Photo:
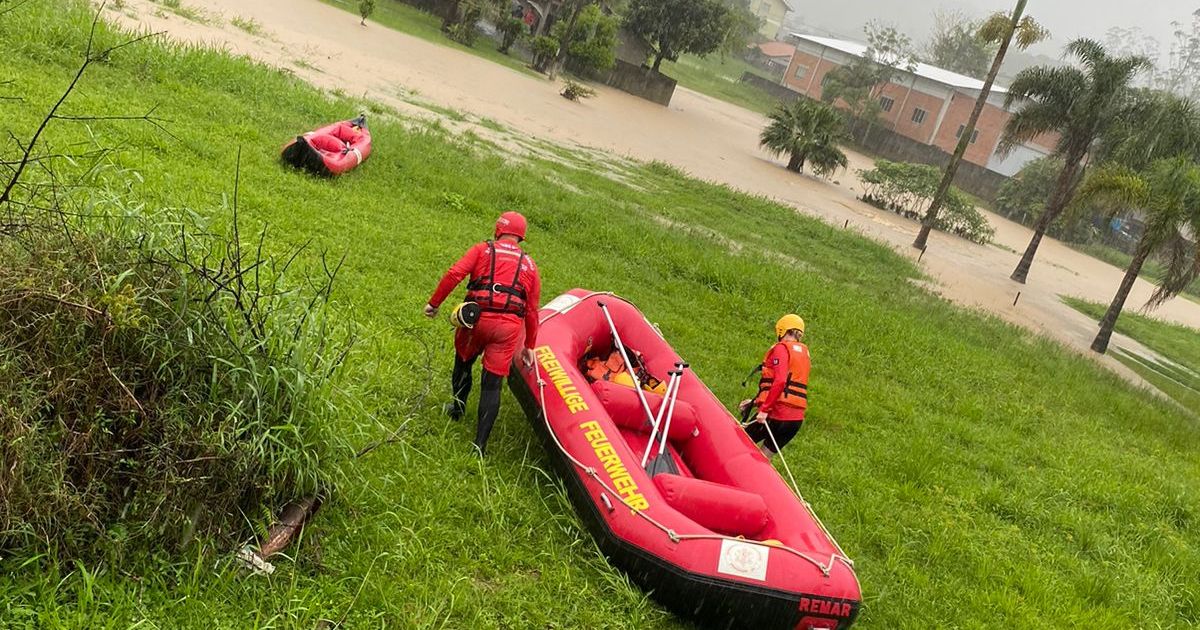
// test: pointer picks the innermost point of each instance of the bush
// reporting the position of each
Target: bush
(545, 49)
(573, 91)
(158, 382)
(463, 32)
(1023, 198)
(907, 189)
(510, 29)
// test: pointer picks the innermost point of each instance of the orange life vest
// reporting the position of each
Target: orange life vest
(613, 370)
(795, 392)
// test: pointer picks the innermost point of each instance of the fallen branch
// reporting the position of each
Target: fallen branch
(280, 535)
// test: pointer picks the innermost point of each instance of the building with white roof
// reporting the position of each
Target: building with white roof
(927, 104)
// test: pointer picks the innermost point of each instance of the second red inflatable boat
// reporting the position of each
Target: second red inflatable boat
(331, 150)
(709, 527)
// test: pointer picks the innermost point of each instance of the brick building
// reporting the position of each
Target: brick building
(929, 105)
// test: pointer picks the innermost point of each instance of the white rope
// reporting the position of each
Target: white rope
(796, 489)
(779, 452)
(825, 568)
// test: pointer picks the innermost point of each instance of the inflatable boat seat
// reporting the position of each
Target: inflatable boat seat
(723, 509)
(625, 409)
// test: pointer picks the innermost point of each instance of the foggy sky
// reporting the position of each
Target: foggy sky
(1066, 19)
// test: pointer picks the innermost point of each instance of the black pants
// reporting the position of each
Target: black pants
(489, 398)
(783, 431)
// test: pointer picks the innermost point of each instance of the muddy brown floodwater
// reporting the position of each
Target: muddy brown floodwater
(708, 138)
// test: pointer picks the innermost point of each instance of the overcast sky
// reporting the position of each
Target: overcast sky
(1066, 19)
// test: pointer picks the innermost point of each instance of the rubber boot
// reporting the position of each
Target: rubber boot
(460, 385)
(489, 408)
(766, 451)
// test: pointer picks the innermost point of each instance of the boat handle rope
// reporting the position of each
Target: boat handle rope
(840, 555)
(670, 533)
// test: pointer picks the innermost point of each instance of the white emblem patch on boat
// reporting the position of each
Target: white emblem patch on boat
(562, 303)
(743, 560)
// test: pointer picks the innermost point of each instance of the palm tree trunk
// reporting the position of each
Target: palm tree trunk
(1063, 191)
(964, 141)
(1118, 304)
(796, 163)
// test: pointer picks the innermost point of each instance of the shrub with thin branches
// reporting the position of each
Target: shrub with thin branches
(906, 188)
(161, 378)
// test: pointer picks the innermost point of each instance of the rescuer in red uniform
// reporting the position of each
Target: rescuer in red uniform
(504, 283)
(783, 388)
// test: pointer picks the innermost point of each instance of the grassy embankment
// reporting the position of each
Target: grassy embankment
(1178, 344)
(979, 475)
(713, 76)
(721, 79)
(412, 21)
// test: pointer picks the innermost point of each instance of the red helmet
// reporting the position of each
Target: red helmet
(511, 223)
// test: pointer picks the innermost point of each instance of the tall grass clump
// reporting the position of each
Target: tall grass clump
(163, 377)
(159, 379)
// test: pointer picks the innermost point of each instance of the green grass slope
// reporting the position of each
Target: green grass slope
(980, 477)
(1178, 344)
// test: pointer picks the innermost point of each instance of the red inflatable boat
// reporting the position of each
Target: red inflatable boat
(331, 150)
(715, 533)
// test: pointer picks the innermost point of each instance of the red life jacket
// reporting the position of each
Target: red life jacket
(795, 392)
(500, 291)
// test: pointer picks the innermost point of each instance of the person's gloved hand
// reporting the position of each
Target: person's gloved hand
(744, 405)
(761, 417)
(431, 311)
(527, 357)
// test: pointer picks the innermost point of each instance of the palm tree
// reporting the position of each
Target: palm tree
(1168, 195)
(1160, 125)
(808, 132)
(1080, 104)
(999, 29)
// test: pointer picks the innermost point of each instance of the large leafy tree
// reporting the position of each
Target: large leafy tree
(1001, 30)
(676, 27)
(1081, 104)
(859, 83)
(590, 40)
(955, 45)
(739, 27)
(1179, 71)
(1167, 195)
(807, 132)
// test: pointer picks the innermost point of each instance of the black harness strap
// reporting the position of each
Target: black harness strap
(515, 290)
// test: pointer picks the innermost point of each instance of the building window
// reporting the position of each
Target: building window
(919, 115)
(974, 134)
(801, 72)
(886, 103)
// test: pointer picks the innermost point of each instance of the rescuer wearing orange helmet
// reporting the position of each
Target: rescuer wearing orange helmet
(782, 389)
(499, 316)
